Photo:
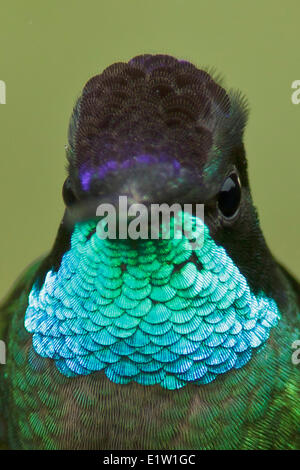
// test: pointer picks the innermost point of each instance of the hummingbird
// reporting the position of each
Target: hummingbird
(154, 343)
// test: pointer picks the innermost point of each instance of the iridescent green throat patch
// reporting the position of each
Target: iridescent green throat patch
(158, 312)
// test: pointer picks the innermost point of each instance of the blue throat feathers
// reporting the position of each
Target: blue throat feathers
(161, 312)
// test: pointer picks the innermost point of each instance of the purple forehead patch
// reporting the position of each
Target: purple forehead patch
(111, 165)
(85, 178)
(86, 174)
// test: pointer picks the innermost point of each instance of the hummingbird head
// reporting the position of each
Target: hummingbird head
(156, 130)
(159, 130)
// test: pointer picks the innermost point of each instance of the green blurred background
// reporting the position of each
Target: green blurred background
(48, 50)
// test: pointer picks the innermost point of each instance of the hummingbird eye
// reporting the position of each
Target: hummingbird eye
(230, 197)
(67, 193)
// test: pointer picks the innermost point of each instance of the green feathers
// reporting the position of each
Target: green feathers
(176, 313)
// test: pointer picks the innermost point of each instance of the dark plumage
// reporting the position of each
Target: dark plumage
(153, 105)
